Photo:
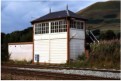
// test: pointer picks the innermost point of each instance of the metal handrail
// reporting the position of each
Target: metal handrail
(93, 36)
(88, 31)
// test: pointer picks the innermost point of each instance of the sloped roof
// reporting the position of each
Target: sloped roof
(57, 15)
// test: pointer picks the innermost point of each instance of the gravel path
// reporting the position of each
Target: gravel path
(78, 72)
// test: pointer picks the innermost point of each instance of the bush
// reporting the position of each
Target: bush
(108, 35)
(96, 32)
(80, 62)
(22, 62)
(82, 57)
(106, 54)
(118, 35)
(5, 56)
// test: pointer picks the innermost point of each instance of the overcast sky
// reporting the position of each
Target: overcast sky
(17, 14)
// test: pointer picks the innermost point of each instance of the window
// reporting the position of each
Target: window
(55, 27)
(58, 26)
(52, 27)
(82, 25)
(62, 26)
(36, 29)
(72, 24)
(76, 24)
(42, 28)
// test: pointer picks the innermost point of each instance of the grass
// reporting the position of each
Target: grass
(23, 62)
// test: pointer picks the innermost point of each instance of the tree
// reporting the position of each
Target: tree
(96, 32)
(108, 35)
(2, 37)
(118, 35)
(102, 36)
(4, 53)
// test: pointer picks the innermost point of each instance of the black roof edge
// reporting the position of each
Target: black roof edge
(32, 22)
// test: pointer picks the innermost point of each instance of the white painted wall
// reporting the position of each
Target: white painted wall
(60, 35)
(77, 33)
(77, 37)
(21, 51)
(58, 51)
(52, 48)
(41, 47)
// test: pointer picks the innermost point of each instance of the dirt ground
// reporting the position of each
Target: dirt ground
(9, 76)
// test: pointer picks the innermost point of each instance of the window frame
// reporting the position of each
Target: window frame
(76, 24)
(55, 26)
(42, 28)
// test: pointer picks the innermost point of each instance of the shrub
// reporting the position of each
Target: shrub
(108, 35)
(5, 56)
(118, 35)
(96, 32)
(82, 57)
(106, 54)
(22, 62)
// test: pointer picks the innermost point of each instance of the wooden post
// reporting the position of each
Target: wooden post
(33, 44)
(68, 40)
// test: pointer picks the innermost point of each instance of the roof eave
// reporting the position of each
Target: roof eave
(33, 22)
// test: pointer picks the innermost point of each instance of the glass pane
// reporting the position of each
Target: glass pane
(82, 25)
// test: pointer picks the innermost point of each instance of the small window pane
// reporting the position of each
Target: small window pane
(82, 25)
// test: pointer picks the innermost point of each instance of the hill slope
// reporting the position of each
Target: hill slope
(102, 15)
(17, 36)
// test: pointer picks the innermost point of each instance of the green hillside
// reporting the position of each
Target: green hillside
(102, 15)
